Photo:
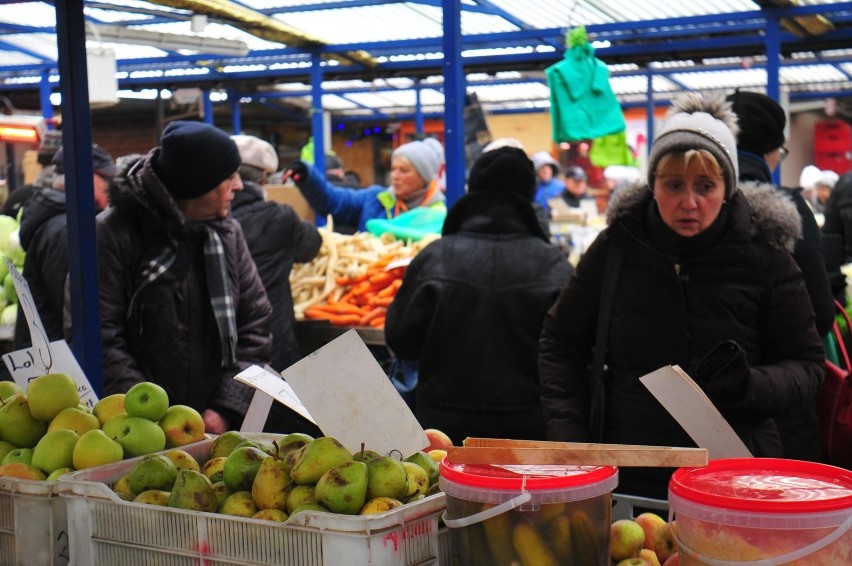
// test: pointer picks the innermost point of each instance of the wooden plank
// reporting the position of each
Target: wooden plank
(600, 455)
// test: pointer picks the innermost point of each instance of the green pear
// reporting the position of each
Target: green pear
(123, 489)
(271, 515)
(55, 450)
(418, 480)
(214, 468)
(153, 471)
(50, 393)
(153, 497)
(182, 459)
(225, 443)
(269, 488)
(343, 489)
(241, 467)
(299, 495)
(192, 490)
(291, 458)
(293, 441)
(423, 460)
(365, 455)
(19, 455)
(317, 458)
(239, 504)
(386, 478)
(222, 492)
(17, 424)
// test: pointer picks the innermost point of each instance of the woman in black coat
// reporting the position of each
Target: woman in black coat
(706, 282)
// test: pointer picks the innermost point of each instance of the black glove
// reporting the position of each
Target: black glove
(297, 171)
(723, 375)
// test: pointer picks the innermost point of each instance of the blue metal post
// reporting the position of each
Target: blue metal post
(207, 107)
(418, 109)
(79, 190)
(236, 117)
(454, 90)
(772, 41)
(649, 110)
(44, 90)
(317, 122)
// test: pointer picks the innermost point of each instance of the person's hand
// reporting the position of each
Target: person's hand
(214, 423)
(297, 171)
(723, 374)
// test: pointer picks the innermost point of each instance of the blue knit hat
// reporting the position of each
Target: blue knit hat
(194, 158)
(426, 156)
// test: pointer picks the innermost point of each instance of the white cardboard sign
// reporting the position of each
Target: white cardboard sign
(351, 398)
(691, 408)
(43, 356)
(269, 386)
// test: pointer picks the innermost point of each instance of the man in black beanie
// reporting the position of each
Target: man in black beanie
(471, 306)
(760, 149)
(181, 301)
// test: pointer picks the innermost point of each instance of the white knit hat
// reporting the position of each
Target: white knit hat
(256, 152)
(697, 121)
(426, 156)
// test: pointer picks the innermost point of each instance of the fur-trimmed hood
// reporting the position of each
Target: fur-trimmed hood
(774, 218)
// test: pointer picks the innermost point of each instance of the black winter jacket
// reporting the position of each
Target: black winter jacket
(44, 238)
(276, 238)
(169, 335)
(744, 286)
(838, 213)
(470, 310)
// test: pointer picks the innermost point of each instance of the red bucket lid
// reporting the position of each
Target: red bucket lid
(529, 477)
(766, 485)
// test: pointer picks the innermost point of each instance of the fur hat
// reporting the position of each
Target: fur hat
(194, 158)
(256, 152)
(761, 121)
(426, 156)
(697, 121)
(505, 169)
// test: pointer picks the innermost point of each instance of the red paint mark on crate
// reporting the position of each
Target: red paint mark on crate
(394, 538)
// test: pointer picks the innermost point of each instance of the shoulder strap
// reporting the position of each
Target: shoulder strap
(610, 278)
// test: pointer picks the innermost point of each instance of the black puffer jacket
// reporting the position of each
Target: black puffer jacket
(44, 237)
(276, 238)
(838, 213)
(169, 336)
(470, 310)
(743, 286)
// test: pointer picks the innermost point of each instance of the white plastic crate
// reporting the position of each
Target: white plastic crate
(630, 506)
(33, 524)
(103, 529)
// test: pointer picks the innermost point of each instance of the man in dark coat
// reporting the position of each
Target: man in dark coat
(471, 304)
(181, 302)
(276, 238)
(44, 237)
(760, 149)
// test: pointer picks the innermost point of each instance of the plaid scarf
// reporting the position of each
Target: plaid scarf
(218, 286)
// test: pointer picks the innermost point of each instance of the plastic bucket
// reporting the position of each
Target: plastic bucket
(762, 512)
(528, 514)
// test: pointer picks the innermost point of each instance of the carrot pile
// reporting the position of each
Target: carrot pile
(349, 283)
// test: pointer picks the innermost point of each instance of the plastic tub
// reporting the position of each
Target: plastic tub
(528, 514)
(762, 512)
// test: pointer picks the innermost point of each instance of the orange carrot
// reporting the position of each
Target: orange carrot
(378, 322)
(391, 289)
(383, 278)
(340, 308)
(380, 301)
(372, 315)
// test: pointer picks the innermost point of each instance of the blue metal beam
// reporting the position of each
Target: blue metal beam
(454, 94)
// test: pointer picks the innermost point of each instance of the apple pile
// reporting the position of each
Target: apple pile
(253, 478)
(646, 540)
(46, 431)
(10, 247)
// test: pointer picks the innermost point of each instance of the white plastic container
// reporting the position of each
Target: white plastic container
(762, 511)
(103, 529)
(33, 523)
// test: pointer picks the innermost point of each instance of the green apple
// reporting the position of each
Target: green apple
(19, 455)
(74, 418)
(50, 393)
(9, 388)
(55, 450)
(182, 425)
(108, 407)
(17, 424)
(626, 539)
(112, 426)
(139, 436)
(56, 474)
(146, 400)
(96, 449)
(5, 448)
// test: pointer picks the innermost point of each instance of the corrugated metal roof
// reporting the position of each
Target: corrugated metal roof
(695, 45)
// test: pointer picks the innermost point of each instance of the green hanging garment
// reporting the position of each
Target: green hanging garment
(582, 103)
(611, 149)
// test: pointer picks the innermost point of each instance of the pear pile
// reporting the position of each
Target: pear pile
(46, 431)
(273, 481)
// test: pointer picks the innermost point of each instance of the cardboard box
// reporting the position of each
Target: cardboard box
(289, 194)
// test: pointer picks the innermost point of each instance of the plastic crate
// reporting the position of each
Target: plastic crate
(104, 529)
(33, 523)
(631, 506)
